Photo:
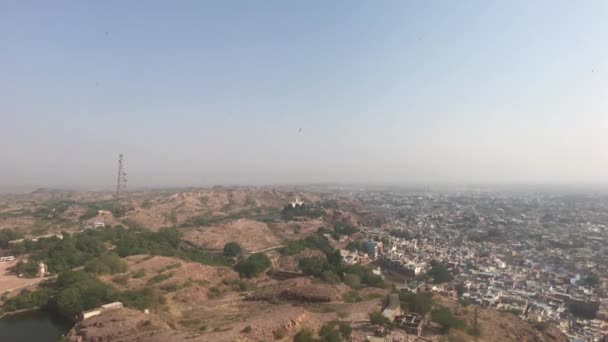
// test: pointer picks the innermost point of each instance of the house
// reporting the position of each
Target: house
(412, 323)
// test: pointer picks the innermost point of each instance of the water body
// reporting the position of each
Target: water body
(36, 326)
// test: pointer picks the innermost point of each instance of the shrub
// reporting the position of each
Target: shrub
(446, 319)
(121, 279)
(303, 335)
(253, 265)
(352, 280)
(160, 277)
(139, 274)
(232, 249)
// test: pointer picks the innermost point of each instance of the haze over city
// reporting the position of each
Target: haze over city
(272, 92)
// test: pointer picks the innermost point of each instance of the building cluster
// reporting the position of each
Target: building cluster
(540, 256)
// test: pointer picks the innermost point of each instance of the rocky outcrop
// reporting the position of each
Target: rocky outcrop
(120, 325)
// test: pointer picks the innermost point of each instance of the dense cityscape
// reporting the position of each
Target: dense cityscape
(540, 256)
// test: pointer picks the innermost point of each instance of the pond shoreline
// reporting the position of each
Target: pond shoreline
(18, 312)
(33, 324)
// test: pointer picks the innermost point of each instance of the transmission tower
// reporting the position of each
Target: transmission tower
(121, 183)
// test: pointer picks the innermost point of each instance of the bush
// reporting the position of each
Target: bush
(253, 265)
(303, 335)
(121, 279)
(416, 302)
(352, 280)
(312, 242)
(160, 277)
(329, 333)
(7, 235)
(330, 277)
(366, 276)
(377, 318)
(106, 264)
(446, 319)
(439, 273)
(313, 266)
(232, 249)
(345, 330)
(170, 287)
(139, 274)
(74, 292)
(352, 297)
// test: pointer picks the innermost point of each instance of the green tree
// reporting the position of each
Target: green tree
(313, 266)
(329, 333)
(232, 249)
(352, 280)
(439, 273)
(69, 302)
(253, 265)
(416, 302)
(446, 319)
(377, 318)
(7, 235)
(345, 330)
(303, 335)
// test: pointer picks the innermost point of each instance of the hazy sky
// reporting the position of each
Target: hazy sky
(210, 92)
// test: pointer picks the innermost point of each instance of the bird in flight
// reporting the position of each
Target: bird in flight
(300, 130)
(107, 33)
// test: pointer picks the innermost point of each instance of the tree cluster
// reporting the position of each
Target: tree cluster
(253, 265)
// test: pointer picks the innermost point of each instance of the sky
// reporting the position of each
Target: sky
(198, 93)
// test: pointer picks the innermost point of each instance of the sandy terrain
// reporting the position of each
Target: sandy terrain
(9, 282)
(251, 235)
(296, 229)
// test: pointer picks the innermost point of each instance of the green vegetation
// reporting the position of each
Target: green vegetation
(7, 235)
(352, 296)
(329, 332)
(439, 273)
(330, 269)
(346, 230)
(80, 249)
(28, 269)
(304, 335)
(352, 280)
(312, 242)
(172, 266)
(214, 292)
(170, 287)
(232, 249)
(121, 279)
(74, 292)
(139, 274)
(345, 330)
(366, 276)
(541, 326)
(106, 264)
(446, 319)
(377, 318)
(355, 246)
(160, 277)
(253, 265)
(416, 302)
